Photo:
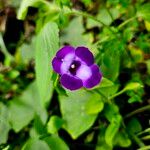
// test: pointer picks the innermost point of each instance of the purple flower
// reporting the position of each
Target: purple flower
(76, 68)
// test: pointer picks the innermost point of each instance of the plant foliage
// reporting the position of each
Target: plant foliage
(36, 112)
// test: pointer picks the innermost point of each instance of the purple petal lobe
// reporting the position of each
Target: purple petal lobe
(56, 63)
(84, 72)
(65, 51)
(67, 61)
(71, 82)
(95, 77)
(85, 55)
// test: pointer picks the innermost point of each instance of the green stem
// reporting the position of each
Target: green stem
(106, 98)
(107, 38)
(117, 94)
(143, 132)
(56, 80)
(138, 111)
(145, 148)
(126, 22)
(138, 141)
(79, 13)
(110, 14)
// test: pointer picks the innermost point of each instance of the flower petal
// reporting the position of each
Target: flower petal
(56, 63)
(95, 77)
(67, 61)
(65, 51)
(84, 72)
(65, 55)
(85, 55)
(71, 82)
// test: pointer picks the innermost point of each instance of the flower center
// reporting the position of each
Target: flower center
(74, 67)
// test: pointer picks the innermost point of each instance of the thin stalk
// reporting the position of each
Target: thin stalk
(107, 38)
(138, 141)
(126, 22)
(144, 148)
(145, 131)
(106, 98)
(117, 94)
(138, 111)
(79, 13)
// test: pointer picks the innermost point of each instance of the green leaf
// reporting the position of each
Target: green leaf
(144, 148)
(30, 96)
(42, 4)
(110, 64)
(38, 129)
(106, 88)
(141, 45)
(54, 124)
(4, 49)
(47, 44)
(109, 90)
(39, 126)
(143, 12)
(35, 144)
(104, 16)
(63, 2)
(134, 126)
(27, 51)
(101, 144)
(122, 139)
(111, 112)
(56, 143)
(23, 108)
(73, 109)
(128, 87)
(111, 131)
(135, 98)
(104, 83)
(4, 123)
(128, 34)
(110, 53)
(74, 36)
(20, 114)
(87, 2)
(94, 105)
